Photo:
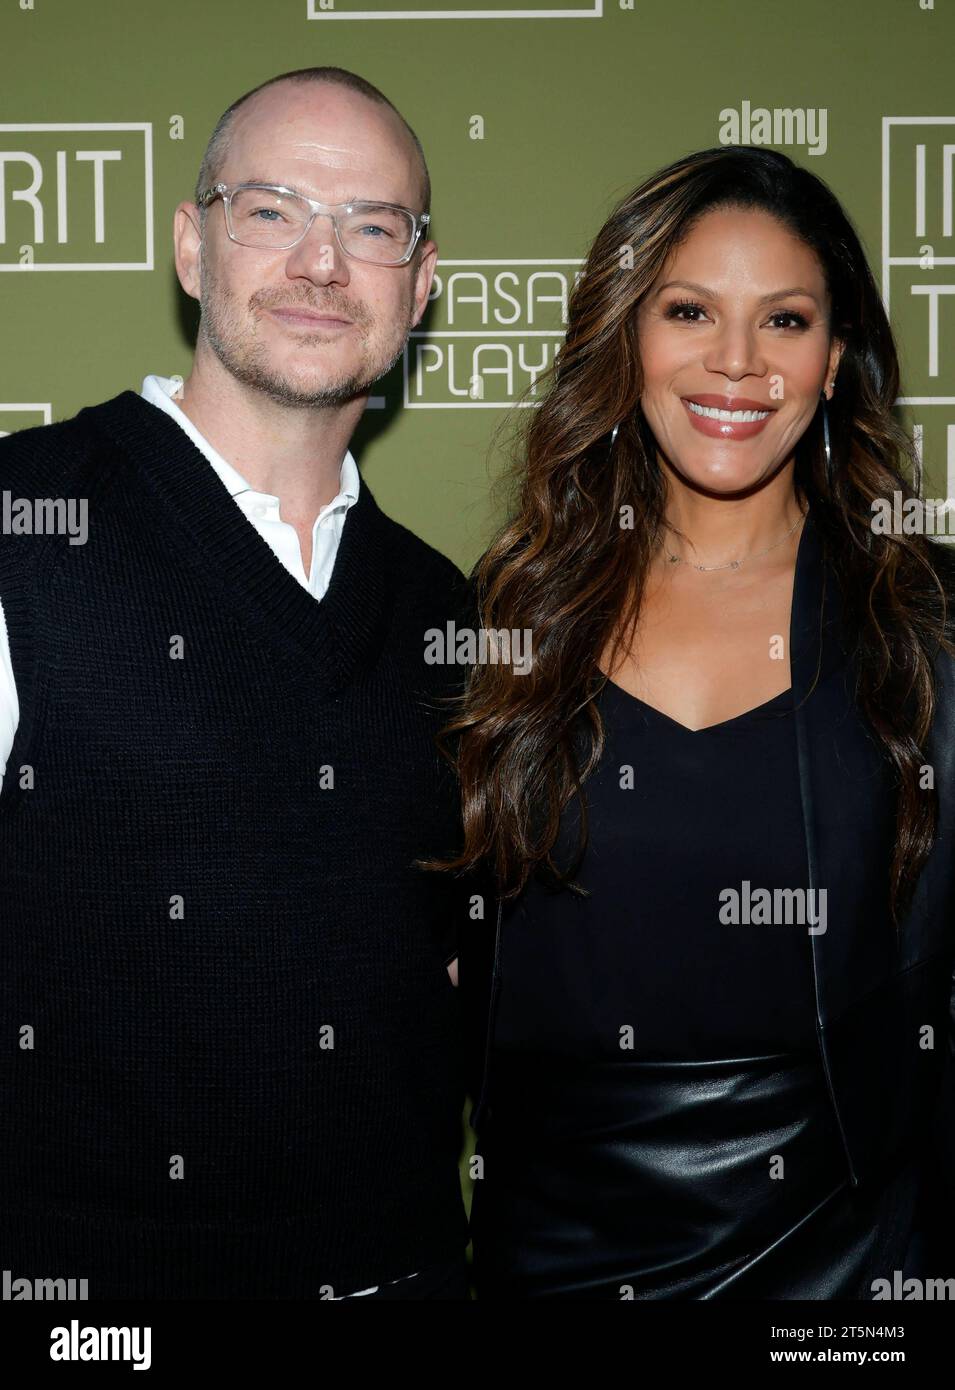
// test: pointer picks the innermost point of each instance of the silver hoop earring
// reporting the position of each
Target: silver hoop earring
(826, 442)
(613, 435)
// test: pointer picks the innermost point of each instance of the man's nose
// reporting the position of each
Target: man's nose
(318, 256)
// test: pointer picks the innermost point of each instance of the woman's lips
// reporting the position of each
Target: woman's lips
(739, 418)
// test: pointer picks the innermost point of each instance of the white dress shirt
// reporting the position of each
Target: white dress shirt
(261, 508)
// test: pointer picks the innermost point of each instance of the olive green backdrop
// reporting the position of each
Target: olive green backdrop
(535, 118)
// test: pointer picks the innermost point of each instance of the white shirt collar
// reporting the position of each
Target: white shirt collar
(159, 390)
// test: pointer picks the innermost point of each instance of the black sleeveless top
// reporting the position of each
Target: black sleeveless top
(658, 1123)
(676, 819)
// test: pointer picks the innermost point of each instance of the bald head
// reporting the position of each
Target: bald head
(325, 120)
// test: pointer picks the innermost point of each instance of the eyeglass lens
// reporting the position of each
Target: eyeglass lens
(373, 232)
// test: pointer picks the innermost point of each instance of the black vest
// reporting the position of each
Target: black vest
(231, 1058)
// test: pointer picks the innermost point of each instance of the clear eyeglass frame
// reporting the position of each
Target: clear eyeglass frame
(225, 192)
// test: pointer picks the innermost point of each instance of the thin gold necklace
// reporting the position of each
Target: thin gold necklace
(734, 564)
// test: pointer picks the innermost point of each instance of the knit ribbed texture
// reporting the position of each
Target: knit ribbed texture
(205, 1031)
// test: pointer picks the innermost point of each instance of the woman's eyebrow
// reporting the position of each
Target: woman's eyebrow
(704, 293)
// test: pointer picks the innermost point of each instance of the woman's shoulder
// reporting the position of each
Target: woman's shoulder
(943, 555)
(942, 558)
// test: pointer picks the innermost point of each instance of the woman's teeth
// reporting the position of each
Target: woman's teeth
(734, 416)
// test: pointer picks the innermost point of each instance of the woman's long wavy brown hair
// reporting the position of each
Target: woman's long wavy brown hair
(563, 567)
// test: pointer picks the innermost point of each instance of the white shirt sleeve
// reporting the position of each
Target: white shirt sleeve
(9, 704)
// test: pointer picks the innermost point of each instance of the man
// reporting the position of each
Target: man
(233, 1060)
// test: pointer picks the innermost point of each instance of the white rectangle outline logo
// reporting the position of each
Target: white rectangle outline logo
(482, 333)
(44, 407)
(888, 260)
(594, 13)
(146, 128)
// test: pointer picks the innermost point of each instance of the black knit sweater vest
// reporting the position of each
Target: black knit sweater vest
(230, 1052)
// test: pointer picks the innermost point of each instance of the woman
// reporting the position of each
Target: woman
(718, 810)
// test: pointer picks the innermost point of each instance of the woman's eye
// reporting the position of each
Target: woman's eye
(685, 306)
(797, 319)
(686, 312)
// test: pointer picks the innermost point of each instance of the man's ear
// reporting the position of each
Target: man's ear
(424, 277)
(187, 240)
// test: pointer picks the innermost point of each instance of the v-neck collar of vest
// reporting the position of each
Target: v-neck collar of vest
(336, 635)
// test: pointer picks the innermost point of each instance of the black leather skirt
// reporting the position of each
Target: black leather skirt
(693, 1180)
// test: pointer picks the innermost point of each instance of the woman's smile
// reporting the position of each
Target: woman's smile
(726, 417)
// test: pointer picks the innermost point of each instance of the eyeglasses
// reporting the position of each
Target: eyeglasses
(275, 219)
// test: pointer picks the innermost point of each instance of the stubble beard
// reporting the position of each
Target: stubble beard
(246, 357)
